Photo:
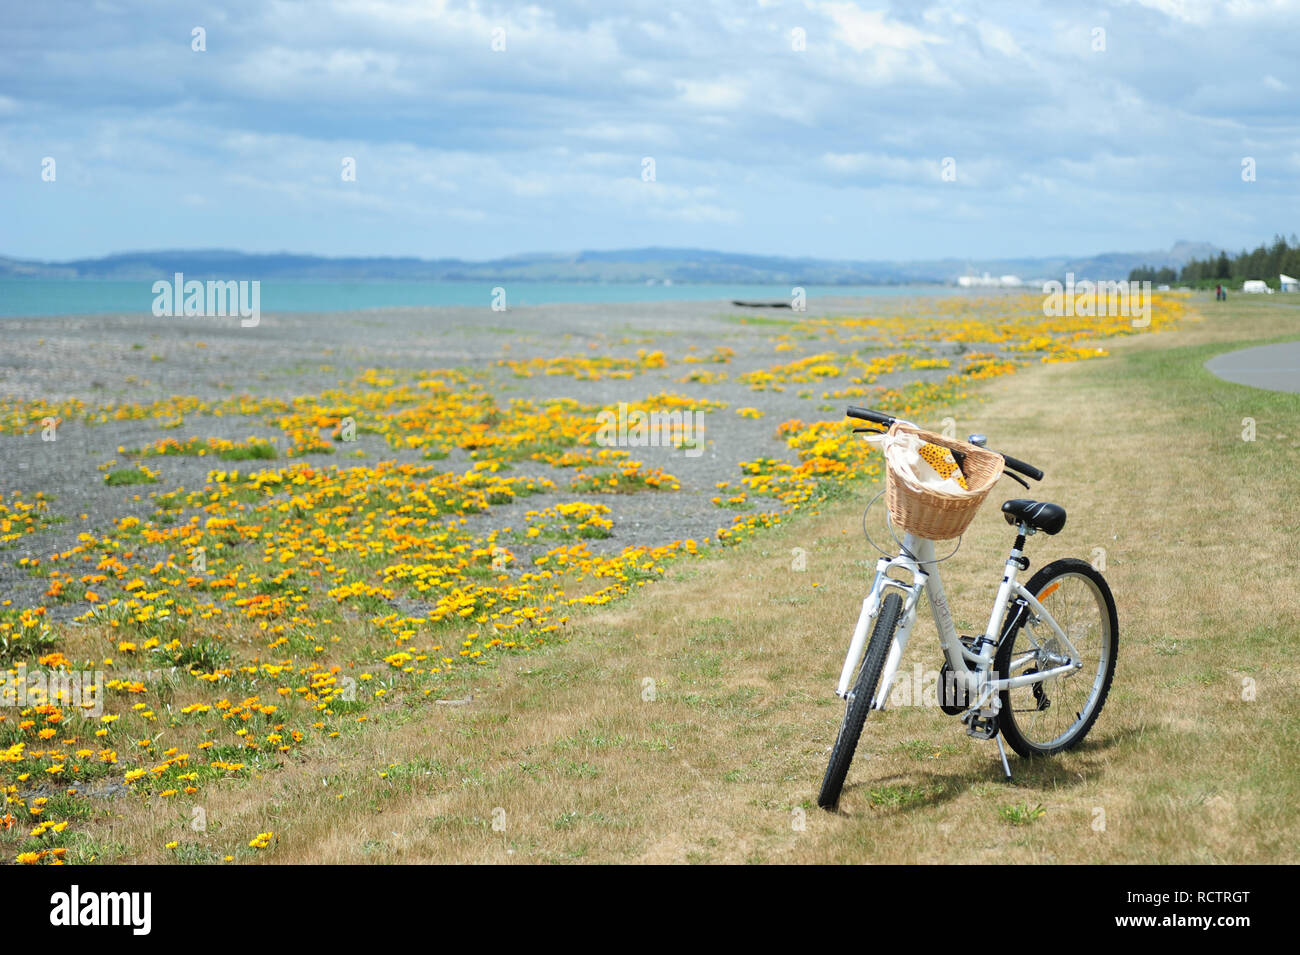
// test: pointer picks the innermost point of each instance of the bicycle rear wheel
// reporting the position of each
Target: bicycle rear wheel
(1056, 714)
(864, 690)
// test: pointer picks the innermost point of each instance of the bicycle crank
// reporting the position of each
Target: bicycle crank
(954, 696)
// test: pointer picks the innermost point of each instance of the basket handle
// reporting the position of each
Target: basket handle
(879, 417)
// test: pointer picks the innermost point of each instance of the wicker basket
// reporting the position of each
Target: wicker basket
(941, 515)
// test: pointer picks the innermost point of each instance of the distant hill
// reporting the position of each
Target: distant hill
(622, 265)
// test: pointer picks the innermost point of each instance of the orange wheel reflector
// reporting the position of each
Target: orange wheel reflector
(1047, 593)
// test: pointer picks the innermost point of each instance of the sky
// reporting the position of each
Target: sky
(477, 130)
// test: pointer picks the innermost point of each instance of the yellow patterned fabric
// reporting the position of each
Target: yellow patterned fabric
(942, 461)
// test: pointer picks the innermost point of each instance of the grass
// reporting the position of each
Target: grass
(1022, 815)
(763, 320)
(127, 476)
(256, 451)
(1192, 760)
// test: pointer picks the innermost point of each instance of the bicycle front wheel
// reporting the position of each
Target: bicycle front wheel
(864, 690)
(1056, 714)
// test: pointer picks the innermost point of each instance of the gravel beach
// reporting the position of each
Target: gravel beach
(113, 359)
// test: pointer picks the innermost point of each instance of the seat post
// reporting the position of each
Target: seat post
(1023, 532)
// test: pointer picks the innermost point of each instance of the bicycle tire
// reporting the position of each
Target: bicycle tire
(1011, 730)
(855, 714)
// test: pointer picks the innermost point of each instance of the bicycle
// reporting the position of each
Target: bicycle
(1026, 674)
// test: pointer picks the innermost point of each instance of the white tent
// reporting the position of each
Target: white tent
(1289, 284)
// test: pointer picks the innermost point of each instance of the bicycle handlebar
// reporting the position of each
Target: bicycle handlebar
(879, 417)
(1015, 464)
(866, 414)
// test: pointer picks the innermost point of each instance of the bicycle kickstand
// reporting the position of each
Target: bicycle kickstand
(1002, 751)
(983, 724)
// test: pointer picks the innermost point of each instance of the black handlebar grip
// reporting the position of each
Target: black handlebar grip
(866, 414)
(1028, 470)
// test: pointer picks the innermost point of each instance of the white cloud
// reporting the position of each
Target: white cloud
(657, 134)
(289, 73)
(665, 201)
(870, 29)
(1187, 11)
(1200, 12)
(880, 166)
(996, 38)
(717, 94)
(531, 185)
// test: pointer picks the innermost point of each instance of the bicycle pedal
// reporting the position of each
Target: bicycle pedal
(982, 727)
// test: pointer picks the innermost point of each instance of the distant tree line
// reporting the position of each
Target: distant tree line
(1145, 273)
(1266, 263)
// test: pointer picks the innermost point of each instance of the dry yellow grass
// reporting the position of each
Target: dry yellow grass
(570, 754)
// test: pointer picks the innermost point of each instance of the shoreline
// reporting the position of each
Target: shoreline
(461, 294)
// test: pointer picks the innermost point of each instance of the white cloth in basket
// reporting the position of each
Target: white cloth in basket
(903, 457)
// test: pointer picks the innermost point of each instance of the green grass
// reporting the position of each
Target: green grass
(1022, 815)
(763, 320)
(127, 476)
(904, 797)
(256, 451)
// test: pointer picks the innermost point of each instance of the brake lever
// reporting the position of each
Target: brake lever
(869, 431)
(1017, 478)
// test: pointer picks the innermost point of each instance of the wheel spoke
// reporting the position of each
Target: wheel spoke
(1081, 611)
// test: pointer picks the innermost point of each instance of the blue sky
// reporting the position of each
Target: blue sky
(833, 150)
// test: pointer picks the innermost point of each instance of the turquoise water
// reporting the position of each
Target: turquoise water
(24, 297)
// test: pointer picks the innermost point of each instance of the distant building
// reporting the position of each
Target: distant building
(989, 281)
(1289, 284)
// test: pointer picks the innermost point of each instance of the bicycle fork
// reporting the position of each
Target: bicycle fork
(870, 607)
(915, 554)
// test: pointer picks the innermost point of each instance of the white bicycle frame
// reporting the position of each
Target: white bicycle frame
(916, 558)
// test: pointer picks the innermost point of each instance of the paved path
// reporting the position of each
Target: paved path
(1274, 367)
